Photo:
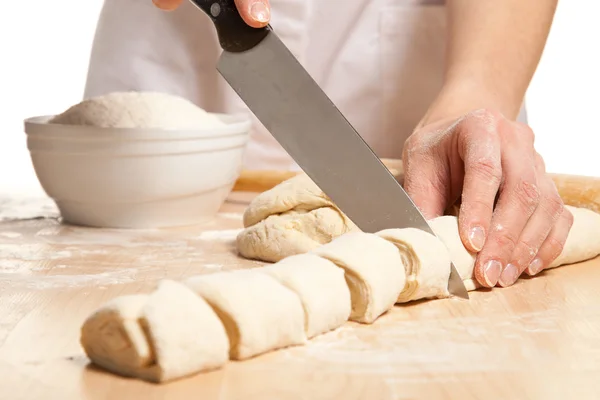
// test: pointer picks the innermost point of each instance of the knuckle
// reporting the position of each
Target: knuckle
(555, 247)
(488, 169)
(540, 163)
(527, 132)
(506, 240)
(528, 249)
(568, 216)
(527, 195)
(553, 205)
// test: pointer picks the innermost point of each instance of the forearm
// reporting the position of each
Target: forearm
(494, 47)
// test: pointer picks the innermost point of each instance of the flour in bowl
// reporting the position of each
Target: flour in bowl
(138, 110)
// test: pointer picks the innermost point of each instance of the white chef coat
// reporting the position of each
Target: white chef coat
(380, 61)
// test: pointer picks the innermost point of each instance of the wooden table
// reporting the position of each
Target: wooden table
(539, 339)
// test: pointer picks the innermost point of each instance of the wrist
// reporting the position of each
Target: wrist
(458, 97)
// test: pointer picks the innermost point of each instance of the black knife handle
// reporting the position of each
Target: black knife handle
(234, 34)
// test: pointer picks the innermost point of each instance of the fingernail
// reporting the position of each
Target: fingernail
(491, 272)
(509, 275)
(535, 267)
(477, 238)
(260, 12)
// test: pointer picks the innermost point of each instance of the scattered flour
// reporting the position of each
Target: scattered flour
(227, 234)
(138, 110)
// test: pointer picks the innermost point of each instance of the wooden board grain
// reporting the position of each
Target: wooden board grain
(535, 340)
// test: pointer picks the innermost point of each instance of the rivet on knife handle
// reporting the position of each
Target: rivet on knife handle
(234, 34)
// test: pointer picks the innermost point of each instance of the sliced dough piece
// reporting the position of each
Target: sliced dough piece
(186, 335)
(169, 334)
(113, 338)
(259, 313)
(446, 228)
(321, 286)
(426, 261)
(583, 242)
(291, 233)
(299, 193)
(374, 272)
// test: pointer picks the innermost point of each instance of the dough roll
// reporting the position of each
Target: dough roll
(321, 286)
(258, 312)
(426, 262)
(583, 242)
(169, 334)
(292, 218)
(374, 272)
(446, 229)
(294, 232)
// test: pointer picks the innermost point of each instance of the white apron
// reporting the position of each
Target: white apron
(380, 61)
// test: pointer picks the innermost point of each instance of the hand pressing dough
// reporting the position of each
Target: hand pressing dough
(169, 334)
(258, 312)
(292, 218)
(321, 286)
(374, 272)
(426, 262)
(582, 243)
(138, 110)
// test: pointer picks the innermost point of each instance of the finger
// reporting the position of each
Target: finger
(537, 229)
(167, 5)
(553, 245)
(479, 146)
(256, 13)
(519, 197)
(426, 178)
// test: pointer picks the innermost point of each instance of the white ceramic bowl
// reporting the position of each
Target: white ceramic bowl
(137, 178)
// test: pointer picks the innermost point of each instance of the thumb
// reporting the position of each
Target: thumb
(256, 13)
(427, 183)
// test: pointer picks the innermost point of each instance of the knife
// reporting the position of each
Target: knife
(306, 123)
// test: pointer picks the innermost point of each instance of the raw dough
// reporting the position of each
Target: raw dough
(290, 233)
(173, 332)
(426, 261)
(258, 312)
(294, 217)
(446, 229)
(321, 286)
(374, 272)
(300, 193)
(138, 110)
(167, 335)
(583, 242)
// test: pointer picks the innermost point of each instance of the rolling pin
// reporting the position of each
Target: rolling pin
(575, 190)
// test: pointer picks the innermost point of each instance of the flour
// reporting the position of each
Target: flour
(223, 235)
(138, 110)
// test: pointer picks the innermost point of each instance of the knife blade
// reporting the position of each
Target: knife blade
(308, 125)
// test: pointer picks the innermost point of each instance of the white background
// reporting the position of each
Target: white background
(46, 45)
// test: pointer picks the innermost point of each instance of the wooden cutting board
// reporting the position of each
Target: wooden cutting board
(535, 340)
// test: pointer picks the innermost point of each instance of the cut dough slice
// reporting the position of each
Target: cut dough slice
(291, 233)
(321, 286)
(426, 261)
(113, 338)
(446, 228)
(299, 193)
(170, 334)
(374, 272)
(259, 313)
(186, 335)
